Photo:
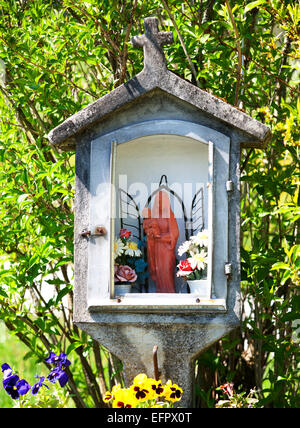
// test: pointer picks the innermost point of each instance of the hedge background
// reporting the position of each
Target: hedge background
(57, 56)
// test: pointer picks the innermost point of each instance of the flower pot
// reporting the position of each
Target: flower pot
(122, 289)
(201, 287)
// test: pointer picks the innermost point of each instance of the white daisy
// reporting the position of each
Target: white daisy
(198, 260)
(132, 249)
(118, 248)
(201, 239)
(184, 247)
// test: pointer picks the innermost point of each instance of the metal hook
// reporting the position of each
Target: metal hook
(155, 363)
(161, 180)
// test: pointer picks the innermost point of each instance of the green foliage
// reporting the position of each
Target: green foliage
(13, 350)
(57, 56)
(52, 398)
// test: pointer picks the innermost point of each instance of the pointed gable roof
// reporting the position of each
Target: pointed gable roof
(156, 75)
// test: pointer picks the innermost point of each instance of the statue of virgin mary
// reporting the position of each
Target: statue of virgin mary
(162, 232)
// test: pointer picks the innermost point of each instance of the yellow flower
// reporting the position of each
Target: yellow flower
(124, 399)
(173, 392)
(157, 388)
(142, 388)
(132, 249)
(140, 378)
(143, 392)
(110, 395)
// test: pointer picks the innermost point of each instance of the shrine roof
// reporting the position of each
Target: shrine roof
(156, 76)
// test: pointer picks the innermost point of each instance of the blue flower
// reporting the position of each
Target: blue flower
(58, 374)
(36, 387)
(61, 360)
(11, 383)
(140, 265)
(6, 370)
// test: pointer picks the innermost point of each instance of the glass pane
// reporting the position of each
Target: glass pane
(162, 203)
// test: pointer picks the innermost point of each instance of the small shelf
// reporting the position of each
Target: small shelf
(164, 302)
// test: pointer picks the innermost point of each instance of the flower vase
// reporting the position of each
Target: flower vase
(201, 287)
(122, 289)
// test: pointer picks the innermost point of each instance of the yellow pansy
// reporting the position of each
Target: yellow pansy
(124, 399)
(142, 388)
(110, 395)
(157, 388)
(173, 392)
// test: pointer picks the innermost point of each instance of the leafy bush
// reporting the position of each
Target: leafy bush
(57, 56)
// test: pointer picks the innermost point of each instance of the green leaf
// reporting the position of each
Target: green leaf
(3, 293)
(73, 346)
(254, 4)
(280, 265)
(62, 293)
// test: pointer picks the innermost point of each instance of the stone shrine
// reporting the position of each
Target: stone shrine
(157, 167)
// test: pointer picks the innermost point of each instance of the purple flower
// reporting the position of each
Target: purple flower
(36, 387)
(58, 374)
(6, 370)
(60, 360)
(11, 383)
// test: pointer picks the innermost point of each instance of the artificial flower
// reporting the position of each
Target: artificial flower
(198, 260)
(118, 248)
(125, 233)
(184, 247)
(140, 265)
(194, 267)
(185, 268)
(125, 273)
(131, 249)
(201, 239)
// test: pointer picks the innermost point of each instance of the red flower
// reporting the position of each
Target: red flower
(125, 233)
(185, 268)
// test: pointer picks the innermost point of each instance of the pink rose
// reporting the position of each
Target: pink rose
(125, 273)
(125, 233)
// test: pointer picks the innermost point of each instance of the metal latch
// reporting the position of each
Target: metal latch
(229, 186)
(99, 231)
(228, 269)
